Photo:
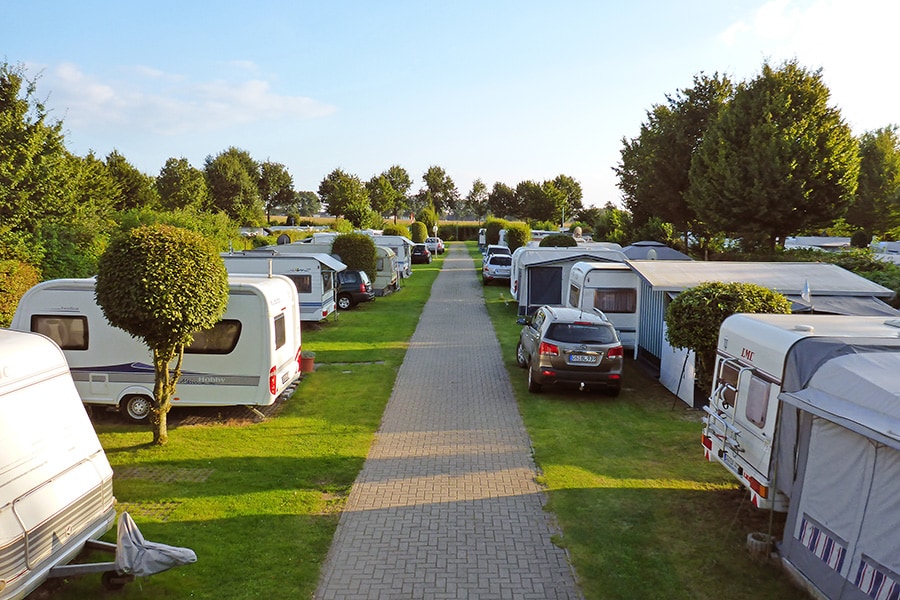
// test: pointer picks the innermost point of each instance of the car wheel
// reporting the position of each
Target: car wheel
(485, 281)
(521, 359)
(533, 386)
(344, 302)
(137, 408)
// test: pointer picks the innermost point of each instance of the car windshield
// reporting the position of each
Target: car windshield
(581, 333)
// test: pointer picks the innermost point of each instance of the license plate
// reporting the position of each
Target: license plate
(583, 359)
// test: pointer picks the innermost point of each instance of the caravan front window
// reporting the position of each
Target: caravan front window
(221, 338)
(616, 300)
(69, 332)
(574, 296)
(303, 283)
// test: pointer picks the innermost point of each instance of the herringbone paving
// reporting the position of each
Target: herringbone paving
(446, 505)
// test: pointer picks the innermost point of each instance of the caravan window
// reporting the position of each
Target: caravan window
(69, 332)
(221, 338)
(280, 331)
(303, 283)
(757, 401)
(728, 375)
(574, 296)
(326, 281)
(616, 300)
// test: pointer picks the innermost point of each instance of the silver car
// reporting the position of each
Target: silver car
(570, 347)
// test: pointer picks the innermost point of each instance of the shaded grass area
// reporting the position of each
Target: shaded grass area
(643, 514)
(259, 502)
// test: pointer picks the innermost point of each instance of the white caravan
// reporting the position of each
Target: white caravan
(387, 266)
(56, 492)
(759, 356)
(402, 247)
(250, 357)
(611, 288)
(313, 275)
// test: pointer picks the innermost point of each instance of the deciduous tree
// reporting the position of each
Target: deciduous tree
(876, 206)
(233, 177)
(276, 187)
(777, 160)
(162, 284)
(181, 186)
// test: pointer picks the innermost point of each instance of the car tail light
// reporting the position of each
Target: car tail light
(615, 351)
(273, 381)
(707, 442)
(362, 287)
(547, 348)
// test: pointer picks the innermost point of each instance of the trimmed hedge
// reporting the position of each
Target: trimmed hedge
(357, 251)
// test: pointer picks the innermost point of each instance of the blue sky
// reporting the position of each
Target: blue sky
(498, 90)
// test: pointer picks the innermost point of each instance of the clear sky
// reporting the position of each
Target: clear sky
(503, 91)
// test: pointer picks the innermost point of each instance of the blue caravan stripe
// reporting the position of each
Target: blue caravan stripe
(143, 373)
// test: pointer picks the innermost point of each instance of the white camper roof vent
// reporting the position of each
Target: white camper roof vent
(804, 328)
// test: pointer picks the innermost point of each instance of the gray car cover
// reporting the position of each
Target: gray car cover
(138, 557)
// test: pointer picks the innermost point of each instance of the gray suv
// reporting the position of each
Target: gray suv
(570, 347)
(353, 287)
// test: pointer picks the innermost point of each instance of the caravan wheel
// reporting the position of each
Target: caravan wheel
(136, 408)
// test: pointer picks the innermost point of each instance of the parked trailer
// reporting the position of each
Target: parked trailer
(387, 267)
(250, 357)
(609, 288)
(56, 492)
(313, 275)
(758, 357)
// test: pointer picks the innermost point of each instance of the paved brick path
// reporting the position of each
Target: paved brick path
(446, 505)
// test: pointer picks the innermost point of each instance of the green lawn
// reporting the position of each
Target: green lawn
(643, 514)
(259, 502)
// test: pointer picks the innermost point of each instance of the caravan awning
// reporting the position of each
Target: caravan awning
(865, 306)
(859, 391)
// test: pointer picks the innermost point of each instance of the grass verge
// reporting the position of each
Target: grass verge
(642, 513)
(259, 502)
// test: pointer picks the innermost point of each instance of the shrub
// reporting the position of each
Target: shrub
(517, 235)
(860, 239)
(419, 231)
(493, 227)
(16, 278)
(429, 218)
(559, 240)
(357, 251)
(393, 229)
(695, 315)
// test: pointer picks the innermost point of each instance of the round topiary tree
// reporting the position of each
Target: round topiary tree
(517, 235)
(392, 229)
(559, 240)
(860, 239)
(695, 315)
(419, 231)
(162, 284)
(357, 251)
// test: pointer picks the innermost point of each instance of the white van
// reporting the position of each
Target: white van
(313, 275)
(56, 491)
(249, 358)
(611, 288)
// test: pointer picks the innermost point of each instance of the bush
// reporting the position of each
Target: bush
(558, 240)
(429, 218)
(357, 251)
(419, 231)
(694, 317)
(393, 229)
(16, 278)
(517, 235)
(493, 227)
(860, 239)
